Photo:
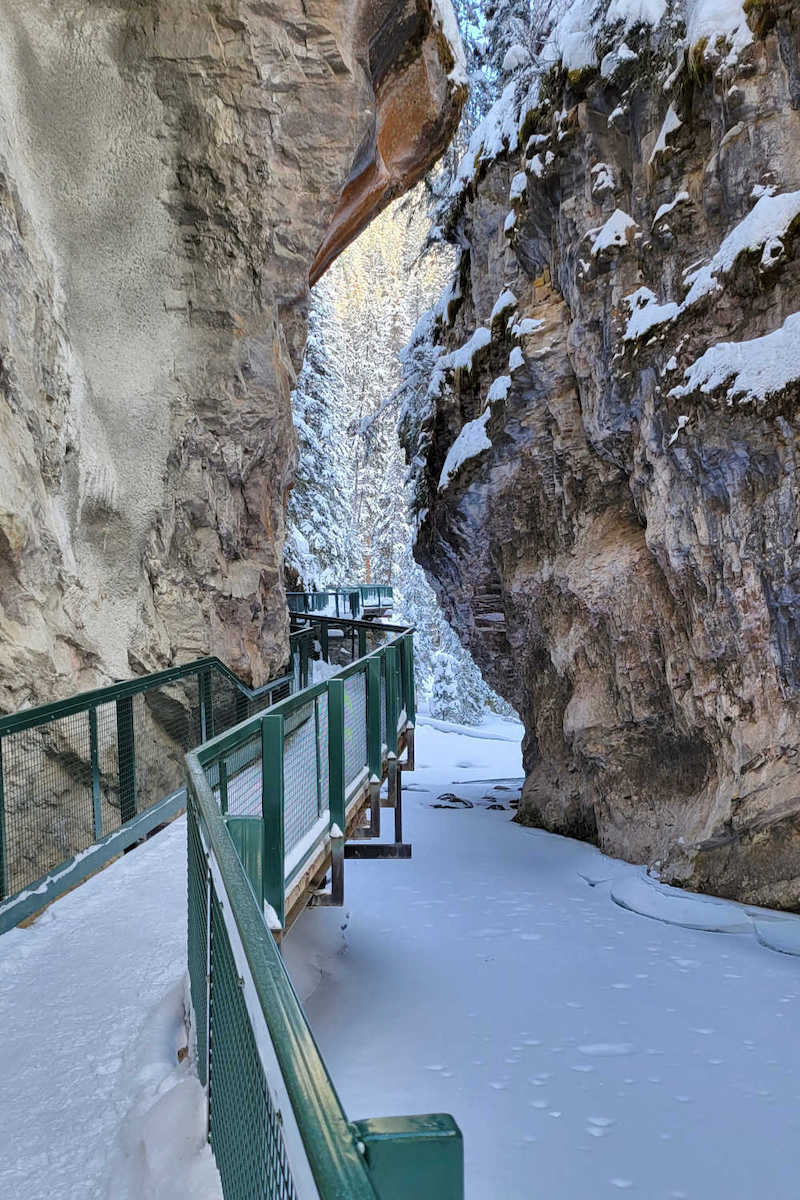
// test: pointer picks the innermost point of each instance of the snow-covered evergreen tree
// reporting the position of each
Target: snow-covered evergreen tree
(322, 544)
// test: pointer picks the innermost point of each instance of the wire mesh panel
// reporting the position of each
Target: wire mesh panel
(301, 788)
(245, 1129)
(236, 778)
(355, 726)
(322, 752)
(197, 887)
(47, 785)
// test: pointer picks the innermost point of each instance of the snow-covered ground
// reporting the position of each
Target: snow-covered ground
(585, 1050)
(95, 1105)
(500, 975)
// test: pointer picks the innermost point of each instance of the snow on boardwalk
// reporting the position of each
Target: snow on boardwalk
(93, 1101)
(586, 1051)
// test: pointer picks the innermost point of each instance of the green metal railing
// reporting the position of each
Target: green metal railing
(263, 799)
(278, 778)
(353, 602)
(83, 779)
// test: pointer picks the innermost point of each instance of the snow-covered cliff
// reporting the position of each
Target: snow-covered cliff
(603, 437)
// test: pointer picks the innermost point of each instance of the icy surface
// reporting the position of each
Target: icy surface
(471, 441)
(499, 388)
(581, 1046)
(95, 1104)
(586, 1051)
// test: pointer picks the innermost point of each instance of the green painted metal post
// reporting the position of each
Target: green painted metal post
(94, 755)
(374, 748)
(391, 699)
(336, 751)
(414, 1156)
(206, 707)
(411, 700)
(126, 749)
(273, 857)
(323, 641)
(3, 863)
(374, 718)
(223, 785)
(303, 661)
(362, 642)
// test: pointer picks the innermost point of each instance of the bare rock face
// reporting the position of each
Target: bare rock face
(169, 172)
(621, 553)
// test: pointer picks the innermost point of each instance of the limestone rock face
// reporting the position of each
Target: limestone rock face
(623, 560)
(169, 172)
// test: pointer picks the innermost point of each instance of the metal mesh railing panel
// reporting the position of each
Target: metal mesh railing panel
(47, 785)
(239, 790)
(244, 1127)
(324, 766)
(355, 726)
(300, 776)
(197, 937)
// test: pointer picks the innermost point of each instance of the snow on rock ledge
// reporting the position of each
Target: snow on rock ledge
(752, 371)
(640, 534)
(472, 440)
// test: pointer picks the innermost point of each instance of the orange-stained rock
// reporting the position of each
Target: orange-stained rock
(418, 101)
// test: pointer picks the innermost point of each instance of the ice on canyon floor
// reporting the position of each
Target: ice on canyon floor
(583, 1048)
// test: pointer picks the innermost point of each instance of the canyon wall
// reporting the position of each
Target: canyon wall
(171, 174)
(604, 440)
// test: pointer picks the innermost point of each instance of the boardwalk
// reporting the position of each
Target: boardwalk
(585, 1051)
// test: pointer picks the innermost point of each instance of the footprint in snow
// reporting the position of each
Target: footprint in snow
(607, 1049)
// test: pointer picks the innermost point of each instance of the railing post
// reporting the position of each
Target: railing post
(303, 660)
(336, 785)
(414, 1156)
(206, 707)
(126, 750)
(323, 640)
(273, 853)
(3, 861)
(374, 749)
(94, 756)
(391, 699)
(408, 657)
(336, 751)
(362, 642)
(223, 786)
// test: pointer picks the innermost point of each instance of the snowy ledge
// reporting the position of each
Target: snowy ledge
(769, 221)
(754, 370)
(471, 441)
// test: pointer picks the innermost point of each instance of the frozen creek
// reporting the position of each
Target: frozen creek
(585, 1049)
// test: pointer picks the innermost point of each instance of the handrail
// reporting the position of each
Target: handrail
(239, 884)
(84, 778)
(352, 601)
(271, 796)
